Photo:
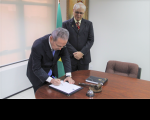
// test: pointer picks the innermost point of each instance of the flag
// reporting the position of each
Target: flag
(60, 66)
(59, 17)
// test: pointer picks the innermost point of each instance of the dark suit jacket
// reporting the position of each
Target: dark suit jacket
(41, 61)
(81, 40)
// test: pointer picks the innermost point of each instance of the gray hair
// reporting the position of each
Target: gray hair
(60, 33)
(79, 5)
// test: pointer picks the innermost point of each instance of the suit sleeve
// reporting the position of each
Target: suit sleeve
(66, 60)
(70, 48)
(90, 40)
(36, 67)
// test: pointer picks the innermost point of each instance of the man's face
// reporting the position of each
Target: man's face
(78, 14)
(59, 44)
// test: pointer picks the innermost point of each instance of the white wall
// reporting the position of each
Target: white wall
(63, 5)
(122, 32)
(13, 79)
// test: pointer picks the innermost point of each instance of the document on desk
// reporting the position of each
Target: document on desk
(66, 88)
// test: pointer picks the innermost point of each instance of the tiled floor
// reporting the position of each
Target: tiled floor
(28, 94)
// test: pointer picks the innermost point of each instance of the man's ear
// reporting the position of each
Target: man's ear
(51, 38)
(51, 41)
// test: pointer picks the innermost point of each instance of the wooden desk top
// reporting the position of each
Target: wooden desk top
(117, 87)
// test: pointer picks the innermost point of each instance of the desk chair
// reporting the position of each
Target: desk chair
(124, 69)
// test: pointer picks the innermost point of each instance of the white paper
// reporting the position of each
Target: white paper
(66, 87)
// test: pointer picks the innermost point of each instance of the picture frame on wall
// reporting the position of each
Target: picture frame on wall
(70, 5)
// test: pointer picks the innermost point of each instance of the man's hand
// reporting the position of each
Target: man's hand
(70, 80)
(56, 82)
(78, 55)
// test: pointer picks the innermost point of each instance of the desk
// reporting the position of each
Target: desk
(117, 87)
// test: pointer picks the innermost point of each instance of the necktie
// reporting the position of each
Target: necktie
(50, 72)
(78, 26)
(53, 52)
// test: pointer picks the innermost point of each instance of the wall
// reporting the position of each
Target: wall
(13, 79)
(122, 32)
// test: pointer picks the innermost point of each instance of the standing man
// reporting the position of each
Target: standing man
(42, 65)
(81, 38)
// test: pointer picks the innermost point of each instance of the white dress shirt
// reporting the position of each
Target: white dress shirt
(50, 78)
(78, 21)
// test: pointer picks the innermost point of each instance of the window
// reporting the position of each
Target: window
(21, 23)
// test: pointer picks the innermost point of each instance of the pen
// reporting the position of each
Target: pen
(55, 78)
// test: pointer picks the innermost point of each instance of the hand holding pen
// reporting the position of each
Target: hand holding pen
(55, 81)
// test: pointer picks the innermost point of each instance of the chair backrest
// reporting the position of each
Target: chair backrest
(124, 69)
(139, 73)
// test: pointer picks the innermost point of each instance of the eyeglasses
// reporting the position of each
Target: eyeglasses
(79, 13)
(59, 46)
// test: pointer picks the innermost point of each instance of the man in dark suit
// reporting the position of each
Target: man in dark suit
(81, 38)
(46, 51)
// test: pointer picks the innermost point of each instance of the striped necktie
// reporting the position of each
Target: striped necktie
(78, 26)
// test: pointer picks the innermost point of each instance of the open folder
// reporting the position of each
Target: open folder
(66, 88)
